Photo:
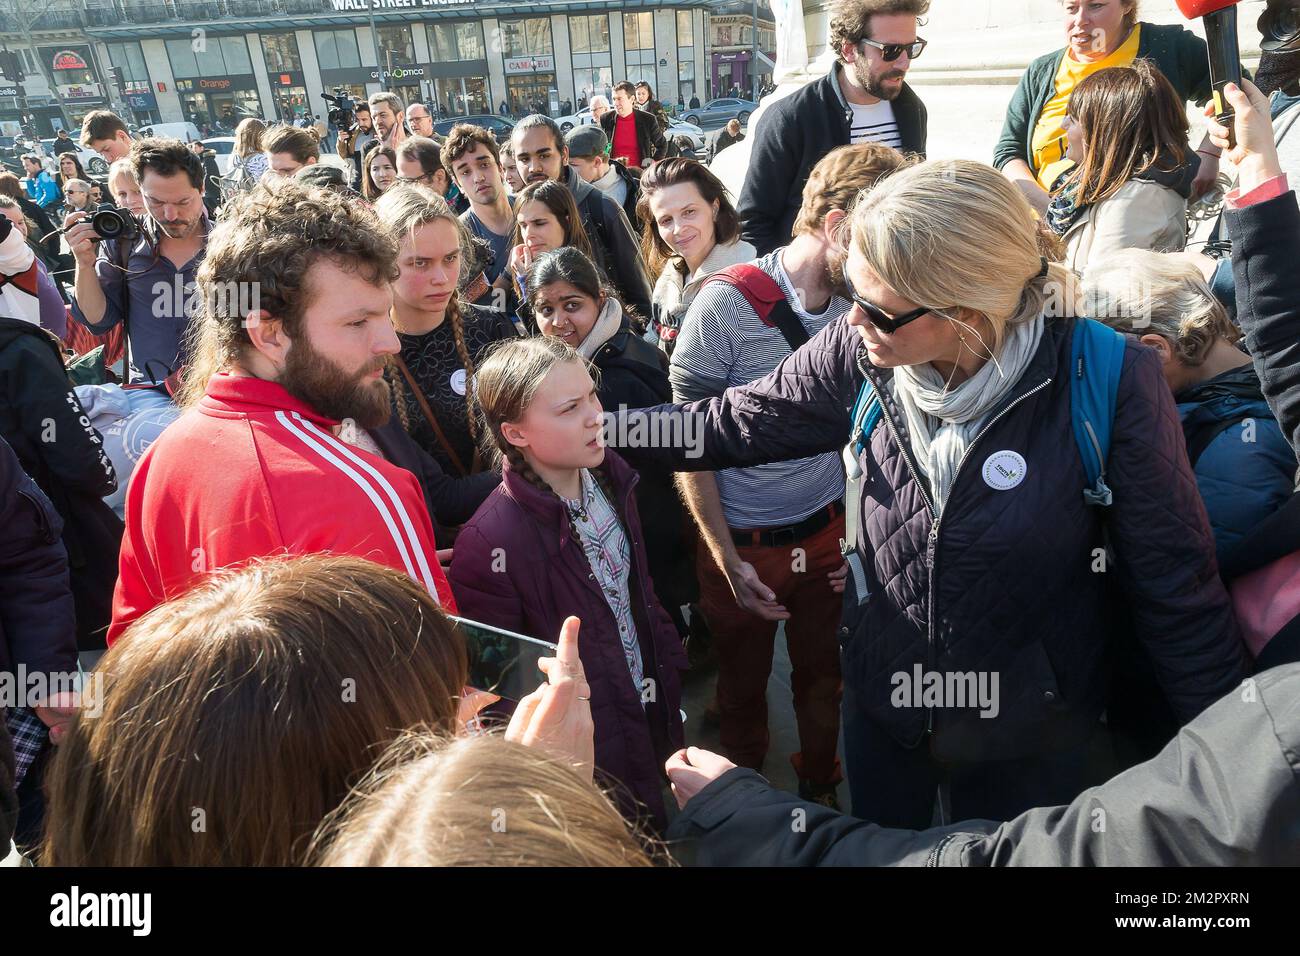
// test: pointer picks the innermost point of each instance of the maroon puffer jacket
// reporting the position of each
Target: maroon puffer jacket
(544, 578)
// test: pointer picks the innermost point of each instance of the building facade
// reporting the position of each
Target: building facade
(216, 61)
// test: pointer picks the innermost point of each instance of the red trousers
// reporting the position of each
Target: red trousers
(744, 643)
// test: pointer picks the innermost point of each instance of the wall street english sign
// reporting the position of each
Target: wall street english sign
(364, 5)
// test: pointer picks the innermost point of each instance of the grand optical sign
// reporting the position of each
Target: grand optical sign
(400, 73)
(362, 6)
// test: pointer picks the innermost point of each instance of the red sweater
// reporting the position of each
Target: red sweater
(626, 146)
(254, 472)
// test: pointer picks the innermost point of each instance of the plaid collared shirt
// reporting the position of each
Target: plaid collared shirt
(605, 544)
(29, 736)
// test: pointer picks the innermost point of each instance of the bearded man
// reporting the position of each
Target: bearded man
(280, 450)
(863, 99)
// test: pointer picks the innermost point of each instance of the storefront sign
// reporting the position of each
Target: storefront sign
(215, 84)
(363, 6)
(141, 101)
(68, 60)
(400, 73)
(8, 91)
(530, 64)
(81, 91)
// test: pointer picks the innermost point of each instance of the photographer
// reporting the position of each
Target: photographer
(354, 140)
(144, 279)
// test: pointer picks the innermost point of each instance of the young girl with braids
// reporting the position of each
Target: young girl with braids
(562, 536)
(442, 338)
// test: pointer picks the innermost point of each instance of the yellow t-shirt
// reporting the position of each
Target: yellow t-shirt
(1049, 141)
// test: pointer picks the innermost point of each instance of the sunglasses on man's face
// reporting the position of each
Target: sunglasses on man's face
(878, 317)
(889, 52)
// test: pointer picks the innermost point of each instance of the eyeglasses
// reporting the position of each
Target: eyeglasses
(889, 52)
(407, 180)
(878, 317)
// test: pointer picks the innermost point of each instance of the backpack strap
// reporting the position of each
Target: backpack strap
(1096, 361)
(865, 416)
(766, 298)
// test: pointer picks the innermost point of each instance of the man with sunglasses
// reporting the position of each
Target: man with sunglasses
(864, 99)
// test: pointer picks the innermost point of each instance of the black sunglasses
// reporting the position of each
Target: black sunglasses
(889, 52)
(878, 317)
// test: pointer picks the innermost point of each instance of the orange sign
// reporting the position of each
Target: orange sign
(69, 60)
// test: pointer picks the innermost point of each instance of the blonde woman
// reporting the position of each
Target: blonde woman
(973, 551)
(247, 154)
(424, 806)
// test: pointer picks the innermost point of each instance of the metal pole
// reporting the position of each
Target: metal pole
(753, 62)
(374, 39)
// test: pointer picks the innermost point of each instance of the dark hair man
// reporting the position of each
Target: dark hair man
(635, 134)
(863, 99)
(146, 282)
(540, 154)
(104, 132)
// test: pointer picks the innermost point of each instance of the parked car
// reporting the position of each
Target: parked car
(499, 126)
(91, 161)
(185, 132)
(719, 112)
(580, 118)
(224, 147)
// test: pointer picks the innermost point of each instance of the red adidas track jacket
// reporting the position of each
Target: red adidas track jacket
(254, 472)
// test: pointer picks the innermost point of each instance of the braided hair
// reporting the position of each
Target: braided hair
(403, 208)
(507, 382)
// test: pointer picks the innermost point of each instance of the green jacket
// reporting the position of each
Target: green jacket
(1179, 53)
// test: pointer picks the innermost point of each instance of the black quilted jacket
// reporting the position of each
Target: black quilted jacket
(1006, 582)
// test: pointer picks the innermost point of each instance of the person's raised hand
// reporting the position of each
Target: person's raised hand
(838, 578)
(57, 713)
(1255, 151)
(557, 716)
(80, 236)
(691, 769)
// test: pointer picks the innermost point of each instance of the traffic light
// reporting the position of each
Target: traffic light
(115, 74)
(11, 66)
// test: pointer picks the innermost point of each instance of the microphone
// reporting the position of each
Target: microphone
(1220, 17)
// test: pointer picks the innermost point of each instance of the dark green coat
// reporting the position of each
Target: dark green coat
(1179, 53)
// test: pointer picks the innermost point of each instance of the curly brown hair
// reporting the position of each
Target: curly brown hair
(268, 240)
(301, 144)
(851, 21)
(463, 138)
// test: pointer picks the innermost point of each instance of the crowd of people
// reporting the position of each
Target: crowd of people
(1008, 464)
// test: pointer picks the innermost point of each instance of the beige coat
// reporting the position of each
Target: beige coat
(1142, 215)
(675, 288)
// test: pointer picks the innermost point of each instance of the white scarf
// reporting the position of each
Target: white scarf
(942, 421)
(606, 327)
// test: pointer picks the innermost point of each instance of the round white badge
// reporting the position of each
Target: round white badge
(458, 381)
(1003, 470)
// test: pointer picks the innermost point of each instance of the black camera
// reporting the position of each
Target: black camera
(1280, 27)
(110, 222)
(342, 110)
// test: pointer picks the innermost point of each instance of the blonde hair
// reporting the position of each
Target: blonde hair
(248, 137)
(122, 167)
(1139, 291)
(956, 234)
(476, 801)
(839, 178)
(402, 209)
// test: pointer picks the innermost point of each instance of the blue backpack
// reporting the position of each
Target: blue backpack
(1096, 360)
